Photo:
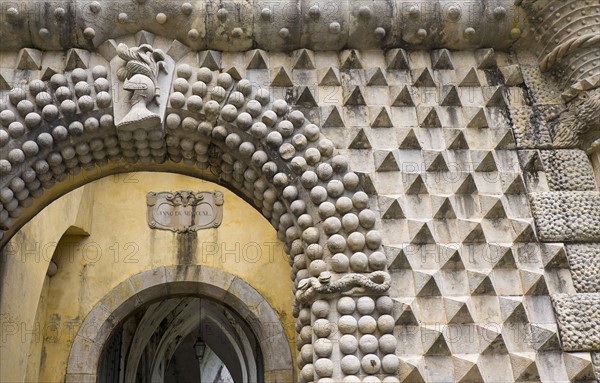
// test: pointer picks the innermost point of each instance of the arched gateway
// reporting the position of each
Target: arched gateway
(421, 172)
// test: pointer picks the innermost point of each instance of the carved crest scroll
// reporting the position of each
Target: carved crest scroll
(184, 211)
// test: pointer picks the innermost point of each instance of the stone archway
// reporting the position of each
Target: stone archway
(164, 282)
(221, 128)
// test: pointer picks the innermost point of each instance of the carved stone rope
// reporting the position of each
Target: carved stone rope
(566, 48)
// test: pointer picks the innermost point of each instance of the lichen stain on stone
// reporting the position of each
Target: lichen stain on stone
(187, 244)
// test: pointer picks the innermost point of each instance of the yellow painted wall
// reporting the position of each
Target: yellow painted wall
(121, 244)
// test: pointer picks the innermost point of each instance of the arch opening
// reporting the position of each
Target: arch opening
(150, 333)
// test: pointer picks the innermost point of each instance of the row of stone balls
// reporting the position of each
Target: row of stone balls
(367, 344)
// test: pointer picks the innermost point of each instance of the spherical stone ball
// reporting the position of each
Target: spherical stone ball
(5, 168)
(311, 235)
(32, 120)
(101, 85)
(324, 367)
(350, 364)
(346, 305)
(326, 209)
(367, 218)
(79, 74)
(314, 251)
(25, 107)
(367, 324)
(370, 364)
(350, 222)
(360, 200)
(16, 129)
(335, 188)
(384, 305)
(368, 344)
(365, 305)
(16, 156)
(237, 99)
(306, 334)
(323, 347)
(312, 156)
(82, 88)
(339, 263)
(377, 260)
(320, 308)
(30, 148)
(229, 113)
(332, 225)
(322, 328)
(297, 118)
(298, 165)
(307, 373)
(287, 151)
(336, 243)
(371, 379)
(388, 344)
(181, 85)
(306, 353)
(286, 128)
(309, 179)
(299, 141)
(359, 262)
(351, 379)
(356, 241)
(225, 80)
(348, 344)
(259, 130)
(280, 107)
(50, 113)
(254, 108)
(177, 100)
(85, 103)
(347, 324)
(385, 324)
(390, 364)
(312, 132)
(343, 205)
(204, 74)
(373, 239)
(4, 138)
(316, 267)
(200, 89)
(325, 171)
(326, 148)
(318, 194)
(390, 379)
(351, 181)
(304, 316)
(274, 139)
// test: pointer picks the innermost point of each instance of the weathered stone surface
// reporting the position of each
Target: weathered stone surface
(567, 216)
(584, 260)
(578, 317)
(568, 170)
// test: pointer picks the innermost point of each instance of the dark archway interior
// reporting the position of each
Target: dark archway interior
(159, 343)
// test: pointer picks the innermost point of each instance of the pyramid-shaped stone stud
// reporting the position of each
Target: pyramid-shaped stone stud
(77, 58)
(334, 119)
(579, 367)
(505, 140)
(144, 37)
(495, 96)
(386, 161)
(513, 76)
(457, 310)
(434, 343)
(397, 259)
(514, 186)
(502, 257)
(524, 367)
(390, 206)
(424, 78)
(470, 79)
(441, 59)
(480, 283)
(466, 369)
(420, 233)
(455, 139)
(544, 337)
(426, 285)
(360, 141)
(6, 79)
(354, 97)
(367, 183)
(306, 97)
(417, 186)
(512, 310)
(233, 72)
(494, 340)
(428, 117)
(350, 59)
(445, 209)
(554, 256)
(210, 59)
(450, 257)
(407, 139)
(533, 283)
(303, 59)
(29, 59)
(382, 119)
(467, 186)
(523, 230)
(401, 96)
(281, 77)
(477, 118)
(256, 59)
(330, 77)
(450, 96)
(484, 161)
(403, 313)
(492, 207)
(376, 77)
(474, 230)
(397, 59)
(485, 58)
(435, 161)
(47, 73)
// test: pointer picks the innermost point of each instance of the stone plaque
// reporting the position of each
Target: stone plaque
(184, 210)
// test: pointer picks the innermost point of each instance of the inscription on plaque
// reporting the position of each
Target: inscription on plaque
(185, 210)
